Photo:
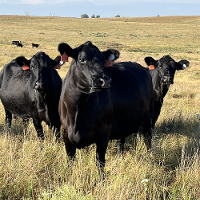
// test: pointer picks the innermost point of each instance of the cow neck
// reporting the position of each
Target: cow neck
(77, 103)
(78, 80)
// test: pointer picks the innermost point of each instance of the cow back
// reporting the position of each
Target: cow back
(132, 97)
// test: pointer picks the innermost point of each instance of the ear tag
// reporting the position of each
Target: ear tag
(184, 66)
(64, 57)
(108, 63)
(151, 67)
(25, 67)
(112, 57)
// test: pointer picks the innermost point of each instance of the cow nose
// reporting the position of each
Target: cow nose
(105, 82)
(167, 79)
(38, 86)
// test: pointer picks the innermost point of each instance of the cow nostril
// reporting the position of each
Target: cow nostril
(38, 86)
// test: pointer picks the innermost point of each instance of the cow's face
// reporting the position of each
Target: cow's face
(40, 65)
(88, 66)
(164, 70)
(166, 67)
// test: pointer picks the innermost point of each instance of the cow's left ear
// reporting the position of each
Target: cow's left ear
(66, 51)
(182, 64)
(21, 60)
(113, 52)
(150, 62)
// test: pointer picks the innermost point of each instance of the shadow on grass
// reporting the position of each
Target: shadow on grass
(176, 140)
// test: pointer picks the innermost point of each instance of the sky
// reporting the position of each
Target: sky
(103, 8)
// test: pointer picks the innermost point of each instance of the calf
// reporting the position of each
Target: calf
(35, 45)
(31, 89)
(162, 72)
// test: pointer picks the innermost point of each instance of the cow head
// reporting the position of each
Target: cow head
(163, 71)
(88, 66)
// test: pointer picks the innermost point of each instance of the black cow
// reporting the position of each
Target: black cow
(98, 104)
(20, 45)
(17, 43)
(31, 89)
(35, 45)
(162, 72)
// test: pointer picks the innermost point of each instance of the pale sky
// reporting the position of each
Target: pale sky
(104, 8)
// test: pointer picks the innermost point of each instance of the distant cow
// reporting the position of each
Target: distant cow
(35, 45)
(31, 89)
(162, 72)
(17, 43)
(98, 104)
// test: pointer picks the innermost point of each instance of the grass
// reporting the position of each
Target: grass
(31, 169)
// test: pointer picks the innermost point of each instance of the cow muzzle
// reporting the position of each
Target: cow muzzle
(167, 80)
(105, 82)
(39, 87)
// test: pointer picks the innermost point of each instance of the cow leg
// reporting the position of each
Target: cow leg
(157, 109)
(8, 119)
(100, 156)
(38, 127)
(121, 143)
(70, 148)
(147, 133)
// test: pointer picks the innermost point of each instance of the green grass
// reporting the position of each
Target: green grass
(31, 169)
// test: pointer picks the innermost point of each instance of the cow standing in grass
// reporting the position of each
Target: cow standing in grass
(162, 72)
(31, 89)
(98, 104)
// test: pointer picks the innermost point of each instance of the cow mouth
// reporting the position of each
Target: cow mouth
(104, 83)
(41, 106)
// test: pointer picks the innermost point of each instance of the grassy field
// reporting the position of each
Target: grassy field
(30, 169)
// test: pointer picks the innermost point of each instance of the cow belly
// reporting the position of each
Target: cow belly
(21, 107)
(126, 123)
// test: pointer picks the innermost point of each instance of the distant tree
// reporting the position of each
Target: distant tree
(117, 16)
(84, 16)
(93, 16)
(98, 16)
(26, 13)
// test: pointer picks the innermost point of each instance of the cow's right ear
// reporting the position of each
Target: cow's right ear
(66, 51)
(21, 60)
(109, 52)
(150, 62)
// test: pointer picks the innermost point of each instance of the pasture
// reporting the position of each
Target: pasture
(31, 169)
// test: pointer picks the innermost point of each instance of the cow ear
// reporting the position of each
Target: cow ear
(150, 61)
(64, 48)
(21, 60)
(113, 52)
(57, 63)
(182, 64)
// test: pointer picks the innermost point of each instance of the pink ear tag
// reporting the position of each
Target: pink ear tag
(64, 57)
(108, 63)
(151, 67)
(25, 67)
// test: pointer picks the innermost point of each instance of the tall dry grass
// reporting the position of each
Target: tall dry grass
(31, 169)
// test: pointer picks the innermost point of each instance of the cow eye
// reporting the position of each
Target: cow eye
(32, 67)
